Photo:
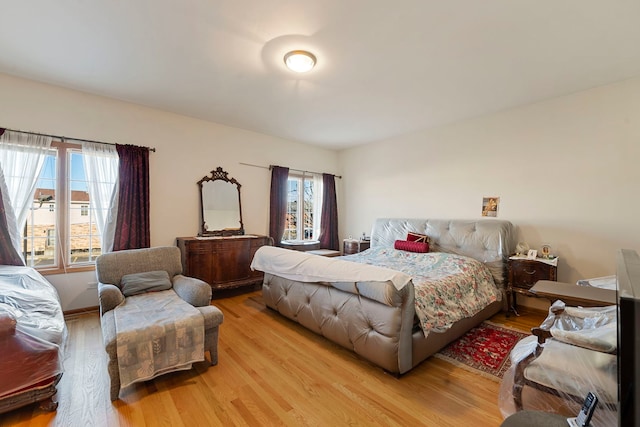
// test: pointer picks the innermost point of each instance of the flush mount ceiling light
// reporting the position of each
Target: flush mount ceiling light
(300, 61)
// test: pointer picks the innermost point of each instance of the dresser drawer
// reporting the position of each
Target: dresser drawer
(223, 262)
(525, 273)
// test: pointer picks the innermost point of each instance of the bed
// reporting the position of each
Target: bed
(365, 305)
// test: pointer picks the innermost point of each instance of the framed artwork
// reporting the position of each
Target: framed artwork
(532, 254)
(490, 206)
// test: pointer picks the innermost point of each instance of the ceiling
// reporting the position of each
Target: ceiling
(384, 68)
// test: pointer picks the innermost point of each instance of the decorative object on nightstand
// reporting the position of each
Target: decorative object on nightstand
(523, 273)
(522, 248)
(353, 246)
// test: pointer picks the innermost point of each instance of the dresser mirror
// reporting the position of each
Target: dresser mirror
(220, 205)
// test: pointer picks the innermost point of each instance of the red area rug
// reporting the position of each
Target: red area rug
(484, 349)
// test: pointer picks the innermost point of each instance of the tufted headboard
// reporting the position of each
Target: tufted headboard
(488, 240)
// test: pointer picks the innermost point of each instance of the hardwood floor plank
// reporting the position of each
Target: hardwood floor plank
(271, 371)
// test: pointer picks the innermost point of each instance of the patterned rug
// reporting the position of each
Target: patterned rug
(484, 349)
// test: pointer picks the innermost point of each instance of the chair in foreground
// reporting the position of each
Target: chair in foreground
(572, 353)
(154, 320)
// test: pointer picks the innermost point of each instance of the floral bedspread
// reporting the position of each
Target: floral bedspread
(447, 287)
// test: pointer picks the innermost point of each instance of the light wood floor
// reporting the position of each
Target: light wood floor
(271, 371)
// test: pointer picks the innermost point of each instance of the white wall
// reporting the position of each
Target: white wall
(566, 171)
(187, 150)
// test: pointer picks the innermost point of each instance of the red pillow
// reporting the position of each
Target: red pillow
(417, 237)
(409, 246)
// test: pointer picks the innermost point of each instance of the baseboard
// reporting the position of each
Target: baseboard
(79, 311)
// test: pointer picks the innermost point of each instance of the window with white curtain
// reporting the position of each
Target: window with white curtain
(303, 208)
(62, 229)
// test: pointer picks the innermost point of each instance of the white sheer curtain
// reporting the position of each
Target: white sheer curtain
(101, 168)
(14, 233)
(317, 204)
(21, 158)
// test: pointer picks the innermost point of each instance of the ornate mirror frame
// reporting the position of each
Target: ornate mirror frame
(206, 185)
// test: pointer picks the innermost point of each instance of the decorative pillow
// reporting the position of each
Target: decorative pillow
(149, 281)
(409, 246)
(417, 237)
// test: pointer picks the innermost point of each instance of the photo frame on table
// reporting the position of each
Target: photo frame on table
(532, 254)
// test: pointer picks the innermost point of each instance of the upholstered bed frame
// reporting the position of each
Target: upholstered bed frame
(376, 320)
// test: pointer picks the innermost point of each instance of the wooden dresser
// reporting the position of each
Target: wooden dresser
(222, 262)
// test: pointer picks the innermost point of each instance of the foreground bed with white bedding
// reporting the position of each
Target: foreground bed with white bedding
(391, 307)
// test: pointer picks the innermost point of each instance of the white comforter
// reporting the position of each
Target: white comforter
(294, 265)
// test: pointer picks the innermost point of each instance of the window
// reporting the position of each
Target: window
(65, 234)
(302, 220)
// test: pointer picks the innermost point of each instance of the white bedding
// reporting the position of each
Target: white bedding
(295, 265)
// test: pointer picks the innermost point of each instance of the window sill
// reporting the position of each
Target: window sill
(58, 270)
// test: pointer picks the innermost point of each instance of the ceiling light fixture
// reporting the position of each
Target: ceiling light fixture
(300, 61)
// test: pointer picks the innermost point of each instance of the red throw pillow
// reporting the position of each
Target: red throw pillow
(408, 246)
(417, 237)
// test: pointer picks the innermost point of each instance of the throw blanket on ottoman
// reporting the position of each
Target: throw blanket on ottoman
(151, 342)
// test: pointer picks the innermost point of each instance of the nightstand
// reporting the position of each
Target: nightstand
(353, 246)
(524, 273)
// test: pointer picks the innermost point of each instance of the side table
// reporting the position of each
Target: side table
(523, 273)
(353, 246)
(574, 295)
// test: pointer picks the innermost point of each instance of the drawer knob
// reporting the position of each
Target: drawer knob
(530, 272)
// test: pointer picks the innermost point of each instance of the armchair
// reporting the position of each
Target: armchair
(117, 289)
(572, 353)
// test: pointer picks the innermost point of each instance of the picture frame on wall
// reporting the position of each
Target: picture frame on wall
(490, 206)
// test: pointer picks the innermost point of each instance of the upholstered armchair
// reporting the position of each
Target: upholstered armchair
(152, 280)
(573, 352)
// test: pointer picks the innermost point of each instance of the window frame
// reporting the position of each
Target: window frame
(62, 206)
(300, 224)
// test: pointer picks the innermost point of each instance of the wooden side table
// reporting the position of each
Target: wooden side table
(353, 246)
(524, 273)
(574, 295)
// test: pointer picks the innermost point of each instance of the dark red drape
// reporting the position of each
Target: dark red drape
(329, 221)
(278, 203)
(132, 223)
(8, 253)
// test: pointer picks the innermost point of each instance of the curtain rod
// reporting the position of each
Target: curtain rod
(64, 138)
(297, 170)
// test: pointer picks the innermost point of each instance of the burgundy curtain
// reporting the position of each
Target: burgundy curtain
(329, 221)
(132, 223)
(278, 203)
(8, 253)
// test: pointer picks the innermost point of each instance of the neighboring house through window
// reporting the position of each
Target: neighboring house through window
(65, 234)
